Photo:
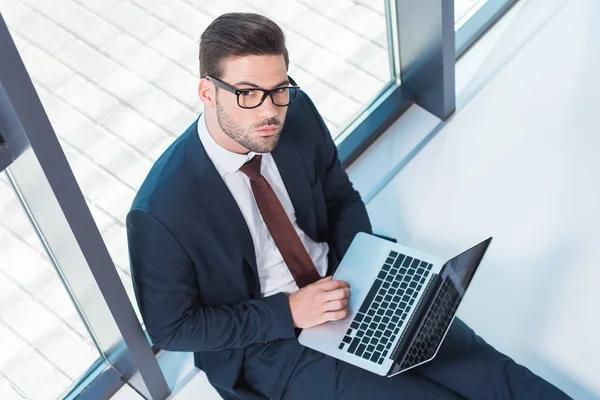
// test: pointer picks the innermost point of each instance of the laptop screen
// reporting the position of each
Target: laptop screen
(464, 265)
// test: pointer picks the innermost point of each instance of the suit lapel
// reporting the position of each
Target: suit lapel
(214, 195)
(292, 168)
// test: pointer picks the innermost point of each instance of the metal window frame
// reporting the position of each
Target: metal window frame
(421, 45)
(422, 56)
(468, 34)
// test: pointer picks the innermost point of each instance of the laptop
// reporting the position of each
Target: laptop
(401, 305)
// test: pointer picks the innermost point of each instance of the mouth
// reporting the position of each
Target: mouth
(270, 131)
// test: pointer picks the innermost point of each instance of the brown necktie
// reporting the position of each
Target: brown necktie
(287, 240)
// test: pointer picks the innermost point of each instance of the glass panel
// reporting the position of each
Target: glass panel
(464, 10)
(44, 346)
(118, 79)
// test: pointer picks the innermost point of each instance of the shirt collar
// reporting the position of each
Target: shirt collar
(226, 161)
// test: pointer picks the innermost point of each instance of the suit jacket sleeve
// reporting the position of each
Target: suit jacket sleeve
(169, 299)
(346, 212)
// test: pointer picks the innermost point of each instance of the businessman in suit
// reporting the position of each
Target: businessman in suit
(238, 227)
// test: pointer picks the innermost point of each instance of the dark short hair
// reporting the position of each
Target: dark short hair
(238, 35)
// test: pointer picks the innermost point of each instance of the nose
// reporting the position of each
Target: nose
(268, 109)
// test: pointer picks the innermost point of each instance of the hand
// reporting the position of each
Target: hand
(321, 301)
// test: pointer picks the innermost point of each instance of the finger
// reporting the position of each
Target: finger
(334, 284)
(322, 280)
(336, 294)
(334, 315)
(335, 305)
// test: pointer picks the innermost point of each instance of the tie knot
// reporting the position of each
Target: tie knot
(252, 168)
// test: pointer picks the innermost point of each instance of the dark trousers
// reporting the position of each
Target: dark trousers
(465, 367)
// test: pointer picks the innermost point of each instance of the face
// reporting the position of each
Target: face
(238, 129)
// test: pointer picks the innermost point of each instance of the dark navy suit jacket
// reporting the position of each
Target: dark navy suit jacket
(192, 258)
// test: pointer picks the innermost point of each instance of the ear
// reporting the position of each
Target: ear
(207, 93)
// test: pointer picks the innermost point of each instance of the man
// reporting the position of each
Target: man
(238, 227)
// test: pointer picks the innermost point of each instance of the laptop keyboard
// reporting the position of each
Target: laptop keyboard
(434, 325)
(386, 307)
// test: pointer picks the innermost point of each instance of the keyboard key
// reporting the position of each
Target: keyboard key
(360, 350)
(388, 333)
(341, 346)
(370, 348)
(378, 334)
(371, 295)
(388, 298)
(393, 254)
(389, 313)
(390, 260)
(407, 261)
(385, 285)
(349, 332)
(395, 319)
(380, 347)
(353, 345)
(380, 311)
(377, 318)
(347, 339)
(360, 333)
(354, 325)
(413, 284)
(396, 299)
(380, 360)
(379, 298)
(386, 320)
(384, 305)
(382, 274)
(375, 356)
(370, 332)
(371, 312)
(367, 320)
(359, 317)
(398, 261)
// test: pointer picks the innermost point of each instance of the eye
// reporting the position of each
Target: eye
(248, 93)
(280, 90)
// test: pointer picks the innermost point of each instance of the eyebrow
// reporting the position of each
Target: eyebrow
(246, 83)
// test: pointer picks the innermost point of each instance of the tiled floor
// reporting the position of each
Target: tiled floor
(117, 79)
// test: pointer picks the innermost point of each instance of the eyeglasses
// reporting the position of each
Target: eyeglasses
(251, 98)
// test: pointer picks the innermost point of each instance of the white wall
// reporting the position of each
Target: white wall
(521, 161)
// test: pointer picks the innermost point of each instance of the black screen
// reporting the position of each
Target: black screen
(464, 265)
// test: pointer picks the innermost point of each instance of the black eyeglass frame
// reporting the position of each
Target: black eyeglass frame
(231, 89)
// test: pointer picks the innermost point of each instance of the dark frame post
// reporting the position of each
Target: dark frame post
(427, 53)
(48, 190)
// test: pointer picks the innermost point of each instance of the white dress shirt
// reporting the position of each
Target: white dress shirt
(273, 272)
